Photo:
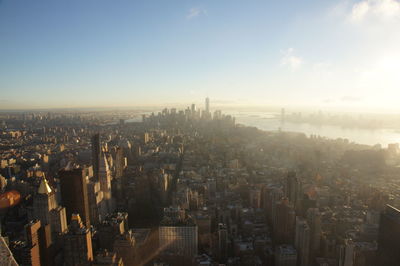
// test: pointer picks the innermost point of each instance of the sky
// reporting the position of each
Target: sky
(107, 53)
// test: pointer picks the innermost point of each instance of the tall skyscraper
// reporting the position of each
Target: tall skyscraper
(46, 209)
(96, 150)
(44, 201)
(46, 246)
(105, 183)
(32, 239)
(293, 189)
(222, 242)
(77, 243)
(302, 241)
(314, 222)
(389, 237)
(120, 162)
(207, 105)
(74, 193)
(284, 222)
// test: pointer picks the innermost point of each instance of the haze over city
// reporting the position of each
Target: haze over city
(328, 54)
(199, 133)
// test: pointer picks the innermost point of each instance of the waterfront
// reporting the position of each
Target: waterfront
(268, 121)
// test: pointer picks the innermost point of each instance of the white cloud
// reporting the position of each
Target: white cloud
(195, 12)
(375, 10)
(290, 60)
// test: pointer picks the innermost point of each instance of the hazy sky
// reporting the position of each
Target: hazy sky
(323, 53)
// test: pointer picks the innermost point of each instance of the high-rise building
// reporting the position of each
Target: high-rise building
(293, 189)
(177, 234)
(207, 105)
(46, 209)
(222, 242)
(347, 253)
(105, 183)
(314, 222)
(96, 150)
(146, 138)
(389, 237)
(302, 241)
(193, 109)
(32, 240)
(285, 255)
(112, 226)
(46, 246)
(95, 198)
(120, 162)
(77, 243)
(284, 222)
(74, 193)
(125, 247)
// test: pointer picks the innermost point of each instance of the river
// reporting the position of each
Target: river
(269, 122)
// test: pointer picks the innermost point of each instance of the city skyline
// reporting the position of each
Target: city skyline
(325, 54)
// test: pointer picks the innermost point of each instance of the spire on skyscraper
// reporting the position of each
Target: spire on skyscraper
(44, 187)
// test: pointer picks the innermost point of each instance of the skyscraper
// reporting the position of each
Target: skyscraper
(46, 246)
(46, 209)
(302, 241)
(207, 105)
(284, 222)
(96, 154)
(105, 184)
(314, 222)
(293, 189)
(74, 193)
(32, 239)
(77, 243)
(389, 237)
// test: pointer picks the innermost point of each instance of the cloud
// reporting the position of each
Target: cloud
(290, 60)
(195, 12)
(375, 10)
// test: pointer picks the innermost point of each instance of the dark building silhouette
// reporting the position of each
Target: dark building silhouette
(32, 241)
(284, 222)
(293, 189)
(46, 246)
(96, 150)
(74, 193)
(77, 243)
(389, 237)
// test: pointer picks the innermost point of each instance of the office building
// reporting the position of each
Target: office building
(96, 151)
(77, 243)
(314, 223)
(32, 241)
(284, 222)
(178, 234)
(46, 209)
(389, 237)
(74, 193)
(46, 246)
(285, 255)
(302, 241)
